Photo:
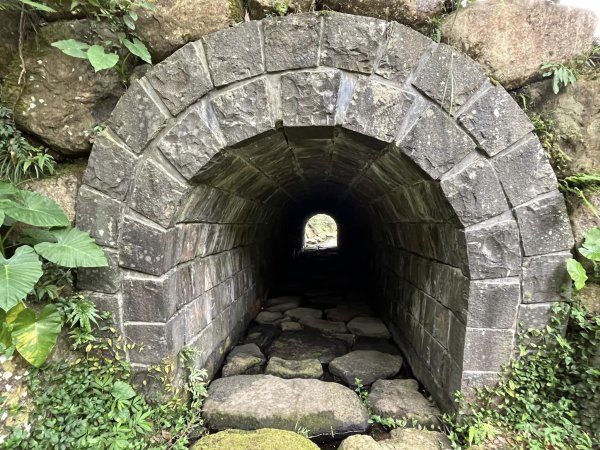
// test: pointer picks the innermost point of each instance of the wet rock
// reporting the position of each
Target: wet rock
(326, 326)
(243, 359)
(251, 402)
(304, 313)
(367, 365)
(369, 327)
(261, 335)
(401, 399)
(303, 368)
(268, 318)
(347, 311)
(290, 326)
(282, 304)
(380, 345)
(297, 345)
(266, 438)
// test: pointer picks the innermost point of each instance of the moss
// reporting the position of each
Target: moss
(264, 439)
(236, 11)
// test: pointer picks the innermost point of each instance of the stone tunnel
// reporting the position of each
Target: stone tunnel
(211, 163)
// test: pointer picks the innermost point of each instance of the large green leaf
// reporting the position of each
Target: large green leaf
(73, 248)
(18, 276)
(72, 47)
(101, 60)
(34, 209)
(577, 273)
(122, 391)
(591, 246)
(7, 190)
(34, 338)
(138, 48)
(39, 6)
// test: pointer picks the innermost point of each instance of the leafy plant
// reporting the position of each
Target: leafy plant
(561, 74)
(280, 7)
(45, 235)
(590, 250)
(15, 5)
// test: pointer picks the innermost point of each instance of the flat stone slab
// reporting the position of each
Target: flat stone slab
(261, 335)
(268, 318)
(400, 439)
(366, 365)
(282, 304)
(304, 313)
(290, 326)
(326, 326)
(243, 359)
(303, 368)
(259, 439)
(401, 399)
(381, 345)
(347, 311)
(369, 327)
(251, 402)
(304, 344)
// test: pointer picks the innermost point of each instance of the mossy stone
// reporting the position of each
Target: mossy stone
(263, 439)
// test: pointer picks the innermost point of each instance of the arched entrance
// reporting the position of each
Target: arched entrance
(320, 232)
(219, 151)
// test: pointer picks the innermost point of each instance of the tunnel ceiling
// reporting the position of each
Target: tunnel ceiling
(229, 133)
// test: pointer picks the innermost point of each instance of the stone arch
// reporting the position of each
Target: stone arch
(212, 155)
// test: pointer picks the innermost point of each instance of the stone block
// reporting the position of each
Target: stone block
(544, 225)
(352, 43)
(471, 380)
(182, 78)
(109, 167)
(291, 42)
(474, 192)
(487, 350)
(525, 172)
(456, 339)
(102, 279)
(107, 303)
(99, 215)
(156, 194)
(159, 340)
(493, 249)
(435, 143)
(244, 112)
(147, 248)
(377, 109)
(138, 117)
(149, 299)
(493, 303)
(495, 121)
(535, 316)
(545, 277)
(234, 54)
(404, 50)
(449, 78)
(309, 98)
(198, 315)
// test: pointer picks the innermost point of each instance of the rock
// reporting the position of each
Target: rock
(282, 304)
(347, 311)
(582, 217)
(367, 365)
(297, 345)
(513, 38)
(261, 335)
(259, 9)
(401, 399)
(413, 439)
(62, 187)
(303, 368)
(268, 318)
(243, 359)
(9, 39)
(412, 12)
(381, 345)
(251, 402)
(369, 327)
(326, 326)
(174, 23)
(265, 438)
(360, 442)
(290, 326)
(590, 298)
(62, 99)
(348, 338)
(304, 313)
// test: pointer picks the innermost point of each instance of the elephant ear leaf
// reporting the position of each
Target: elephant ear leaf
(35, 337)
(18, 276)
(73, 248)
(34, 209)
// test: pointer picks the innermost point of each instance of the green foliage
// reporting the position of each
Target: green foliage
(280, 7)
(580, 184)
(561, 75)
(590, 250)
(19, 160)
(544, 397)
(16, 5)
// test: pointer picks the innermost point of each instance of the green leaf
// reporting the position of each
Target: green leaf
(577, 273)
(101, 60)
(34, 209)
(18, 276)
(72, 47)
(73, 248)
(129, 22)
(7, 190)
(122, 391)
(591, 245)
(2, 216)
(138, 48)
(33, 236)
(34, 338)
(38, 6)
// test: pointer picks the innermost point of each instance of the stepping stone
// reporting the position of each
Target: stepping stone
(348, 338)
(268, 318)
(243, 359)
(326, 326)
(367, 365)
(401, 439)
(303, 368)
(261, 335)
(347, 311)
(251, 402)
(369, 327)
(381, 345)
(402, 399)
(266, 438)
(282, 304)
(290, 326)
(304, 344)
(304, 313)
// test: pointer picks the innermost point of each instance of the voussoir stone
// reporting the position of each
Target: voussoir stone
(243, 359)
(369, 327)
(265, 438)
(302, 368)
(251, 402)
(303, 344)
(366, 365)
(304, 313)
